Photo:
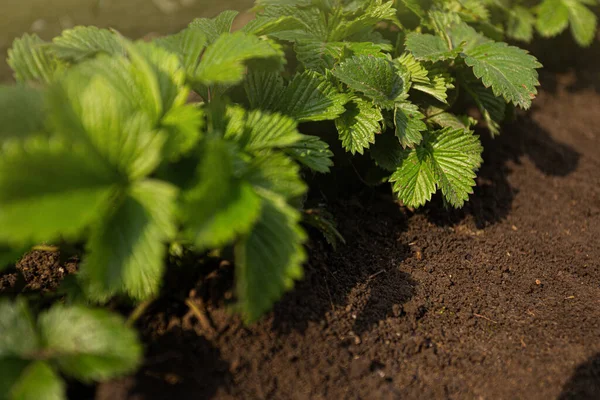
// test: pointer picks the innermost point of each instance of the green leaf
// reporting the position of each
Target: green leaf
(437, 87)
(18, 334)
(262, 130)
(358, 126)
(321, 56)
(446, 160)
(448, 120)
(313, 22)
(414, 180)
(435, 82)
(11, 370)
(183, 125)
(583, 22)
(77, 44)
(377, 11)
(263, 89)
(90, 344)
(553, 17)
(520, 24)
(413, 70)
(415, 7)
(426, 47)
(159, 75)
(223, 61)
(442, 24)
(277, 173)
(317, 55)
(463, 35)
(262, 25)
(23, 112)
(110, 128)
(312, 152)
(374, 38)
(492, 108)
(456, 157)
(110, 107)
(66, 109)
(375, 77)
(473, 10)
(31, 60)
(375, 49)
(39, 381)
(188, 45)
(220, 206)
(324, 222)
(409, 124)
(508, 70)
(215, 27)
(270, 258)
(127, 248)
(48, 189)
(309, 97)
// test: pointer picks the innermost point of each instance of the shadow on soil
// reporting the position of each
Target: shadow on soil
(580, 62)
(358, 275)
(493, 196)
(584, 384)
(180, 365)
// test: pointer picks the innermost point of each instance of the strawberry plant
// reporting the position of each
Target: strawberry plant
(102, 146)
(399, 87)
(197, 140)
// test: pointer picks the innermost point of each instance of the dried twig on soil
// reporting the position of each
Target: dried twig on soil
(198, 311)
(486, 318)
(376, 275)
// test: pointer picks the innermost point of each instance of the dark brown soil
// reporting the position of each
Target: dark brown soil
(38, 271)
(500, 300)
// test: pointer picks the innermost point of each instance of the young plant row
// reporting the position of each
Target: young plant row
(105, 144)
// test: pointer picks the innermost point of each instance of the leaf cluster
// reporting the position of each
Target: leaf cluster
(399, 85)
(83, 343)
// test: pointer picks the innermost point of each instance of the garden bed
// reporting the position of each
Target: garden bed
(498, 300)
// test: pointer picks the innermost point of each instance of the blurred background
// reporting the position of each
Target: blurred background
(133, 18)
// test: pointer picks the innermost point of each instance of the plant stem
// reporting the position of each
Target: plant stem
(138, 311)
